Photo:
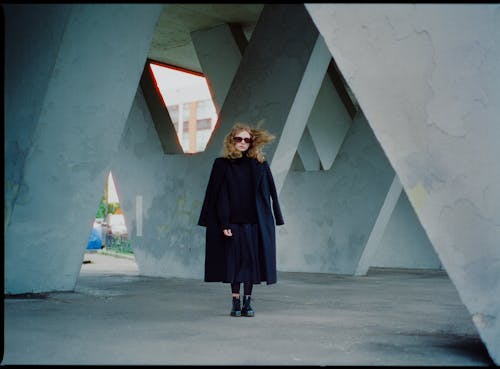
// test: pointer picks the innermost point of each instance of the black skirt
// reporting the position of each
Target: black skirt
(242, 254)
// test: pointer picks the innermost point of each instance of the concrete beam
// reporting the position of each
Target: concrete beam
(299, 112)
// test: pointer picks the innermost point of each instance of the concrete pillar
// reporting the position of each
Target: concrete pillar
(425, 76)
(81, 116)
(299, 112)
(219, 51)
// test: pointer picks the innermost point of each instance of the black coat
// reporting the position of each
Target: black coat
(265, 191)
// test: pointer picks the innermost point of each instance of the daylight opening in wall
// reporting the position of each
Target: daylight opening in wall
(109, 232)
(187, 97)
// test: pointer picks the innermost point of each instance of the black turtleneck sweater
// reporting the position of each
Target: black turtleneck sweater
(236, 203)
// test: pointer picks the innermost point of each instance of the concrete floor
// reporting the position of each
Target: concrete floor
(115, 316)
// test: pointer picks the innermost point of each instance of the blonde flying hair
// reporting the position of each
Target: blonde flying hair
(260, 137)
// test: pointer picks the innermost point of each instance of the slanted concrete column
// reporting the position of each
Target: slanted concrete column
(299, 112)
(96, 54)
(426, 77)
(219, 52)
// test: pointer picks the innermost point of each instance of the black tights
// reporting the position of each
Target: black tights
(247, 288)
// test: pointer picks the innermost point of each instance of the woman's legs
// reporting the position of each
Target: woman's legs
(247, 289)
(235, 289)
(243, 264)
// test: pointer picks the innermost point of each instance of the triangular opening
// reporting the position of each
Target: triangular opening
(297, 164)
(186, 95)
(307, 154)
(109, 235)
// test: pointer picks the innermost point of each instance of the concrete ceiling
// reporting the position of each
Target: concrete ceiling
(171, 42)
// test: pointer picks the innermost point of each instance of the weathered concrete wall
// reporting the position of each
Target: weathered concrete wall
(83, 96)
(426, 77)
(330, 214)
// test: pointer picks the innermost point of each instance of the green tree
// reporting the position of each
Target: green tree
(102, 210)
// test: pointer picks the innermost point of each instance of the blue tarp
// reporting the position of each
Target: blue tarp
(95, 239)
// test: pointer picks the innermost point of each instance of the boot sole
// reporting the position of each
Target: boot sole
(235, 314)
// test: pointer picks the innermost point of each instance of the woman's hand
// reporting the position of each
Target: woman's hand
(227, 232)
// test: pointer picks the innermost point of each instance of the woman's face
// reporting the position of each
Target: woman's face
(239, 140)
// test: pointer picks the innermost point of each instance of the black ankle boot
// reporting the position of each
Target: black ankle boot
(236, 309)
(247, 309)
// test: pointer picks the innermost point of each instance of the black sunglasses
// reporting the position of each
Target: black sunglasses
(239, 139)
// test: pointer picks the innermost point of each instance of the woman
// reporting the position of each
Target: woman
(238, 216)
